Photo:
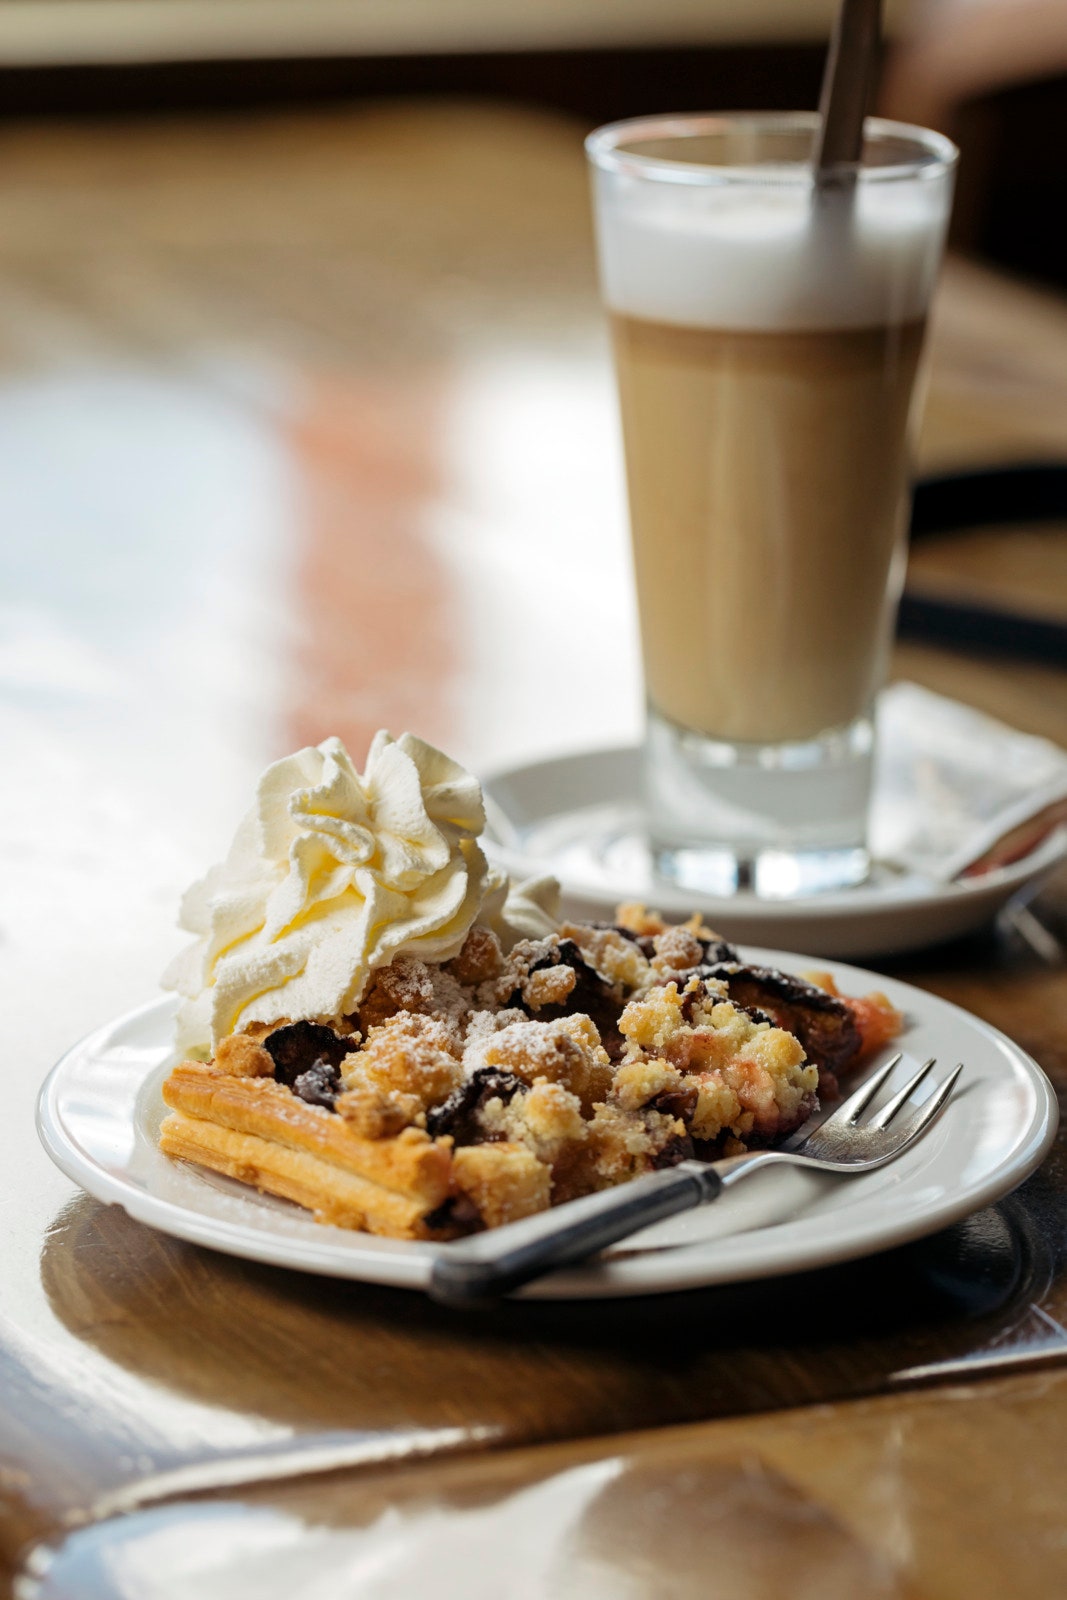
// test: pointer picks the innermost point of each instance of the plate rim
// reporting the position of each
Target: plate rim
(406, 1263)
(828, 907)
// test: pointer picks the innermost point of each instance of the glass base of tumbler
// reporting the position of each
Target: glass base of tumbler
(779, 820)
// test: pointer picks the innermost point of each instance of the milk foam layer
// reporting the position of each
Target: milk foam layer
(331, 875)
(773, 258)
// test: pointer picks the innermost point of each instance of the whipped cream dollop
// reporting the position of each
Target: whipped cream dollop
(331, 874)
(514, 911)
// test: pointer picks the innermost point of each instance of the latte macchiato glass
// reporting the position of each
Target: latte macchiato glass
(768, 332)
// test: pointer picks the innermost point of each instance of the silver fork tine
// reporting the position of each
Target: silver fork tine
(883, 1118)
(931, 1109)
(857, 1103)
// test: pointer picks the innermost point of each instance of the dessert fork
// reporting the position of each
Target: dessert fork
(494, 1263)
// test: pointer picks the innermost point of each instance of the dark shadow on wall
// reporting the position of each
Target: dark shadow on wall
(595, 85)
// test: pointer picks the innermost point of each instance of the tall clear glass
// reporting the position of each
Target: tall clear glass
(768, 334)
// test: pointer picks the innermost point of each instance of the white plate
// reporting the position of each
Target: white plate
(579, 818)
(100, 1108)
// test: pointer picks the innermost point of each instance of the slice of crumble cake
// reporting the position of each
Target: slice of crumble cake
(471, 1093)
(383, 1029)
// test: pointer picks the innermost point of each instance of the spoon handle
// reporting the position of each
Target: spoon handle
(846, 86)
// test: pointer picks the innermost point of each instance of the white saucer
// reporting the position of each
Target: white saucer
(579, 818)
(99, 1113)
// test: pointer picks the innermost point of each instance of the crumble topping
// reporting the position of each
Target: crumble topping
(409, 1055)
(417, 988)
(566, 1050)
(549, 986)
(677, 950)
(480, 958)
(245, 1057)
(481, 1027)
(612, 952)
(547, 1119)
(503, 1181)
(374, 1114)
(640, 1081)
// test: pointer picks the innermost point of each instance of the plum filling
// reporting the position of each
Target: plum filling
(319, 1085)
(458, 1115)
(678, 1148)
(457, 1212)
(680, 1103)
(298, 1046)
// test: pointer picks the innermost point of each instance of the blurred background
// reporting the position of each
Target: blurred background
(991, 73)
(306, 415)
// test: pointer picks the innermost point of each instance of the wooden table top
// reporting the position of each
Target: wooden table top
(255, 374)
(928, 1496)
